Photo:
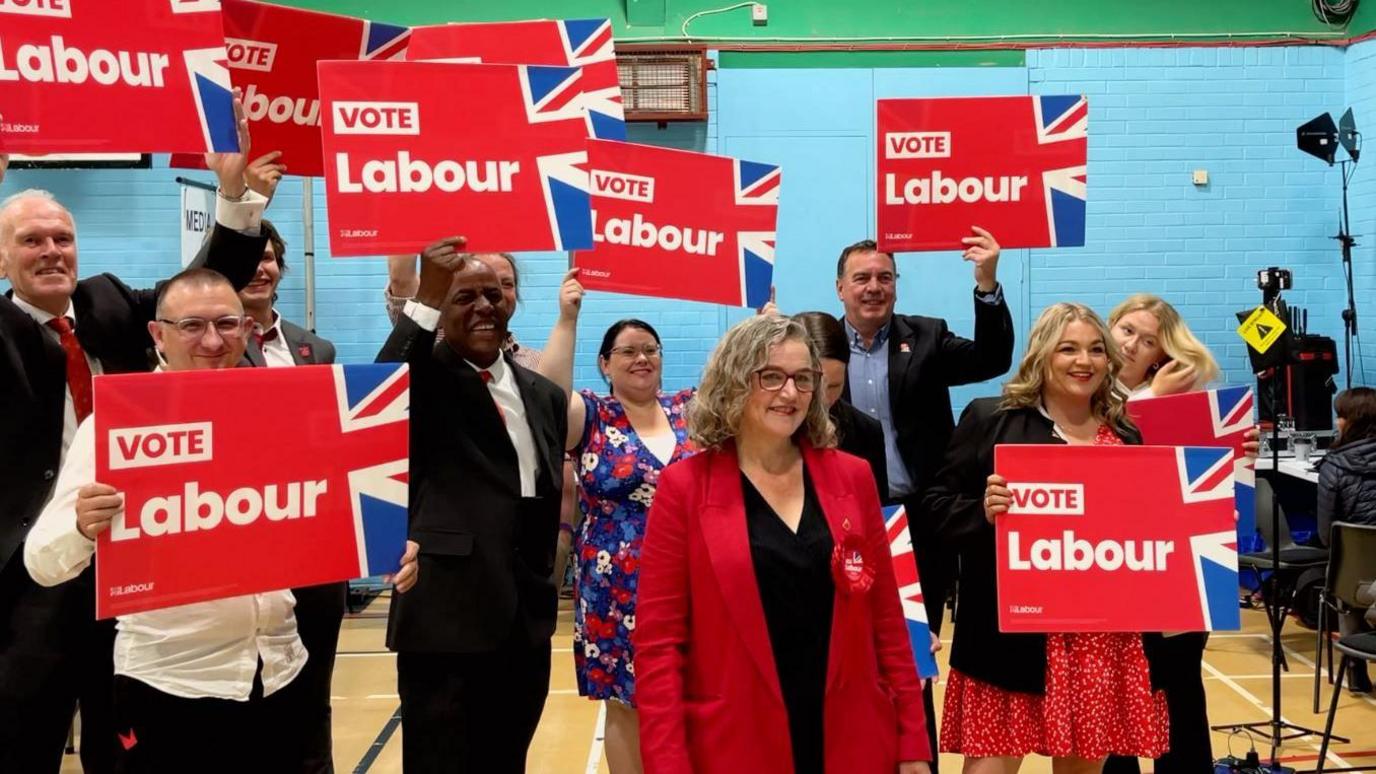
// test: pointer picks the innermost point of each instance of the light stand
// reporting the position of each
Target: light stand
(1320, 137)
(1272, 281)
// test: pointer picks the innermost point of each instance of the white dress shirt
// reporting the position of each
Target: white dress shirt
(507, 395)
(69, 407)
(276, 352)
(202, 650)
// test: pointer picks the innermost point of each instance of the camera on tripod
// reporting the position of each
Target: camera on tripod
(1272, 280)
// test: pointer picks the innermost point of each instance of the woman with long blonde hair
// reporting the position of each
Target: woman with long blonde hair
(1075, 697)
(1161, 355)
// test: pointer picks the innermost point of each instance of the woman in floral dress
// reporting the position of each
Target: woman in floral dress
(620, 442)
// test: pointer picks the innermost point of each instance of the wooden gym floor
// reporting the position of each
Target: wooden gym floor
(1236, 674)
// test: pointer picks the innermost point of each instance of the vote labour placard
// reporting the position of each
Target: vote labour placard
(677, 224)
(584, 43)
(1013, 165)
(245, 480)
(1219, 417)
(1116, 538)
(78, 76)
(272, 55)
(416, 151)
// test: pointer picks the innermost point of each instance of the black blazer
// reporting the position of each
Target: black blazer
(862, 436)
(306, 347)
(486, 553)
(112, 326)
(925, 361)
(953, 506)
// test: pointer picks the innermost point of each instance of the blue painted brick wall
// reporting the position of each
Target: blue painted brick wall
(1361, 96)
(1156, 115)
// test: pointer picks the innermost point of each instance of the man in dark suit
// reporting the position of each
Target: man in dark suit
(278, 342)
(55, 333)
(473, 635)
(900, 372)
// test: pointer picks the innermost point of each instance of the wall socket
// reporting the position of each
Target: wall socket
(759, 14)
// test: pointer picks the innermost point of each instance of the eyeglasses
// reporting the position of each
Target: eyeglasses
(773, 379)
(230, 326)
(648, 350)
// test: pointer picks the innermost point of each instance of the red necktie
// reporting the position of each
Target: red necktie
(78, 369)
(486, 376)
(264, 336)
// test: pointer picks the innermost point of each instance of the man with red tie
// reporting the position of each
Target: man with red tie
(55, 333)
(487, 440)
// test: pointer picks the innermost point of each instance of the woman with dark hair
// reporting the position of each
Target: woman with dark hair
(620, 442)
(855, 433)
(1347, 487)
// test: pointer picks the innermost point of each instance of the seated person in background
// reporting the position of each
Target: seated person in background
(1347, 488)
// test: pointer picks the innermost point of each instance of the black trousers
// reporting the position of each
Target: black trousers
(471, 712)
(53, 654)
(319, 613)
(1175, 668)
(158, 733)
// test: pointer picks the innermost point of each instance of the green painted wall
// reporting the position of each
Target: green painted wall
(820, 20)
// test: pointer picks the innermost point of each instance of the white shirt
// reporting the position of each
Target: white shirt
(203, 650)
(662, 445)
(69, 407)
(507, 395)
(276, 353)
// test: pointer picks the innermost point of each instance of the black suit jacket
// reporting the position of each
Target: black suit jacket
(486, 553)
(112, 326)
(862, 436)
(953, 507)
(306, 347)
(925, 361)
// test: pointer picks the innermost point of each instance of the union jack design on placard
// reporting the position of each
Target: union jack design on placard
(372, 395)
(384, 41)
(567, 202)
(588, 43)
(756, 185)
(210, 85)
(1062, 118)
(1207, 474)
(910, 588)
(1218, 417)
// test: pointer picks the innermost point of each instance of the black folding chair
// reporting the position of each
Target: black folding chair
(1294, 559)
(1353, 563)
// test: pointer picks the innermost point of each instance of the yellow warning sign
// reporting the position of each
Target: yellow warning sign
(1261, 329)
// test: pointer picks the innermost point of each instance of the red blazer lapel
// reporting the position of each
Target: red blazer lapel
(839, 507)
(728, 546)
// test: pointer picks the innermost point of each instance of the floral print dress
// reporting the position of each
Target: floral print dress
(617, 476)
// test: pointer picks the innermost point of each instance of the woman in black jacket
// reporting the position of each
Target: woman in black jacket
(1010, 695)
(856, 433)
(1347, 486)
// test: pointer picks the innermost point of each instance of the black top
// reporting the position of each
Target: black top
(793, 572)
(863, 436)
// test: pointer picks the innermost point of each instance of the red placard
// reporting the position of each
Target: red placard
(272, 55)
(417, 151)
(228, 494)
(1086, 547)
(585, 43)
(140, 76)
(677, 224)
(1013, 165)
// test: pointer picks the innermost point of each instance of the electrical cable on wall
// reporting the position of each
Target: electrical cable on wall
(683, 28)
(1335, 12)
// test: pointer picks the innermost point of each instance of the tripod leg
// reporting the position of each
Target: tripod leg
(1332, 711)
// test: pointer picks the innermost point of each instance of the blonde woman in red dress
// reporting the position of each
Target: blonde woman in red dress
(1074, 697)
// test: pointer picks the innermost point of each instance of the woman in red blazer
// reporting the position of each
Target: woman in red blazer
(769, 635)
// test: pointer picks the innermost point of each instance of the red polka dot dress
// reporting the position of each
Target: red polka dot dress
(1098, 701)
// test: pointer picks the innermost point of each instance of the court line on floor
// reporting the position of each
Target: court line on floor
(1265, 708)
(599, 733)
(383, 736)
